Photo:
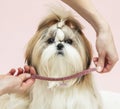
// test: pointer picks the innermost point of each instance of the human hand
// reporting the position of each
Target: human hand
(19, 83)
(107, 54)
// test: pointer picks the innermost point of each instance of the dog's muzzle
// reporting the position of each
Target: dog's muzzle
(60, 47)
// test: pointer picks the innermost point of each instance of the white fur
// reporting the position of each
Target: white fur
(63, 94)
(59, 35)
(62, 98)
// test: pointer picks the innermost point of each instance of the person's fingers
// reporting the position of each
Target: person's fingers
(27, 84)
(26, 81)
(20, 71)
(95, 60)
(108, 65)
(32, 70)
(107, 68)
(12, 71)
(24, 76)
(101, 62)
(27, 69)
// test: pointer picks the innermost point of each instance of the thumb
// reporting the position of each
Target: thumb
(100, 63)
(24, 76)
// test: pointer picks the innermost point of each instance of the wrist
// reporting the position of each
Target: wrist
(97, 21)
(101, 27)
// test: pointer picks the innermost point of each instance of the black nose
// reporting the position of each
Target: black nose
(60, 46)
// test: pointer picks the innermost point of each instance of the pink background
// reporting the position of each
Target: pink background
(19, 20)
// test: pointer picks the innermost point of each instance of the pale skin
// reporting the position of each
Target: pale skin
(19, 83)
(107, 54)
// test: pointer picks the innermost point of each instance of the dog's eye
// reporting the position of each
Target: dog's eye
(69, 41)
(50, 40)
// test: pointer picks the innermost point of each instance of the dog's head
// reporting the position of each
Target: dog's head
(59, 47)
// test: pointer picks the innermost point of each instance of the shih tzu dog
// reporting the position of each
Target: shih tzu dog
(59, 48)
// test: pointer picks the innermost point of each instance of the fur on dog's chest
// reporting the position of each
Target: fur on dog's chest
(62, 98)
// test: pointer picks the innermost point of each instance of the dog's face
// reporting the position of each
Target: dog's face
(59, 48)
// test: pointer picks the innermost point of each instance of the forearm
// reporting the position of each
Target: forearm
(88, 11)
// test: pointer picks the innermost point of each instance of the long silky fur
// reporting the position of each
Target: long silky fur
(80, 95)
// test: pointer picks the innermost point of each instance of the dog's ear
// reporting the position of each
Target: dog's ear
(73, 24)
(30, 47)
(49, 20)
(28, 53)
(76, 26)
(88, 53)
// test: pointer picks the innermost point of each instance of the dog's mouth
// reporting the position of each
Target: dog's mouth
(60, 53)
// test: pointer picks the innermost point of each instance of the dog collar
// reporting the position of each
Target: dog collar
(77, 75)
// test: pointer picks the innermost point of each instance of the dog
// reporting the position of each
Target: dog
(59, 48)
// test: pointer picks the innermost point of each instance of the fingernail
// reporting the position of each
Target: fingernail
(28, 75)
(99, 68)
